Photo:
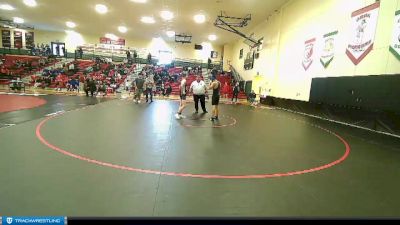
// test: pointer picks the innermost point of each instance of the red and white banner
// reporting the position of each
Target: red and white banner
(119, 41)
(363, 28)
(308, 53)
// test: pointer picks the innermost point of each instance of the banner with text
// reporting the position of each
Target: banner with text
(328, 48)
(363, 23)
(119, 41)
(308, 53)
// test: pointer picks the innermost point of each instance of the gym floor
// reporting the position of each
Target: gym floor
(78, 156)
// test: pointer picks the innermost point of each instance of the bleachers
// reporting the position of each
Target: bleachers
(85, 68)
(16, 65)
(60, 78)
(19, 66)
(226, 79)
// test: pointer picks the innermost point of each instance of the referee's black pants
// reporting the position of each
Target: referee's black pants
(202, 99)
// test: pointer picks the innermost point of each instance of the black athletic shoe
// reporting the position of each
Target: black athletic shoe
(212, 119)
(204, 112)
(196, 112)
(216, 118)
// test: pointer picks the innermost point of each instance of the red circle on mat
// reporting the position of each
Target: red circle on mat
(205, 176)
(11, 103)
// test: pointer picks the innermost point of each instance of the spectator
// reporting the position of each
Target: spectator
(149, 58)
(16, 84)
(252, 97)
(4, 71)
(71, 67)
(135, 55)
(168, 89)
(236, 91)
(149, 84)
(79, 51)
(102, 87)
(138, 85)
(90, 86)
(72, 85)
(226, 89)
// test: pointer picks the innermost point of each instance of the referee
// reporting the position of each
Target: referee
(199, 88)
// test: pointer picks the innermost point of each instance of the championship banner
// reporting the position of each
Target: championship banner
(308, 53)
(119, 41)
(395, 44)
(328, 51)
(364, 22)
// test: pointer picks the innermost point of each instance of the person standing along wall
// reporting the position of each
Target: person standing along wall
(236, 90)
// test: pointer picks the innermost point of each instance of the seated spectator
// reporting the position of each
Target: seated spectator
(252, 97)
(72, 85)
(168, 89)
(16, 84)
(71, 67)
(114, 87)
(102, 87)
(4, 71)
(89, 69)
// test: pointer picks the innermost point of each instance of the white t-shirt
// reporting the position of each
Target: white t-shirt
(199, 88)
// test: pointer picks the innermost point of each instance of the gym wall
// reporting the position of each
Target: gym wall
(366, 92)
(73, 40)
(280, 61)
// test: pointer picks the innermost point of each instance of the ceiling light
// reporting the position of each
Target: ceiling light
(112, 37)
(18, 20)
(70, 24)
(139, 1)
(122, 29)
(6, 7)
(167, 15)
(199, 18)
(147, 19)
(212, 37)
(30, 3)
(170, 33)
(101, 8)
